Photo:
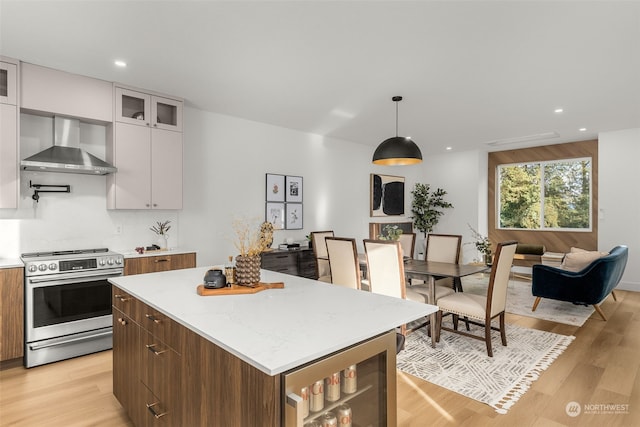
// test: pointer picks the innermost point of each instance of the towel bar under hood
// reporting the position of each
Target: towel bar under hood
(66, 155)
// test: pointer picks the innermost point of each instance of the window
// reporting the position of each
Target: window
(552, 195)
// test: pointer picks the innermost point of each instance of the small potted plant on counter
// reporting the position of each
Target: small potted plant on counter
(161, 228)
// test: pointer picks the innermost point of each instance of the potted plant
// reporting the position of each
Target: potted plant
(427, 207)
(482, 244)
(390, 232)
(161, 228)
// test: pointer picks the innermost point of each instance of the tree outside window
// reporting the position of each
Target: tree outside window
(545, 195)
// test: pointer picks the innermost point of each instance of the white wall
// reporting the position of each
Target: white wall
(463, 176)
(74, 220)
(226, 159)
(618, 198)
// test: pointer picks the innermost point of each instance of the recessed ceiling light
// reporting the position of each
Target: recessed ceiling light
(120, 63)
(449, 148)
(582, 129)
(558, 110)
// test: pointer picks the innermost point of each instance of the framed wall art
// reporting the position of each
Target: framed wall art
(275, 188)
(293, 189)
(293, 216)
(275, 215)
(283, 201)
(387, 195)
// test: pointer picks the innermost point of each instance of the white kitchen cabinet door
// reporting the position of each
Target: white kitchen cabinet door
(133, 179)
(58, 92)
(8, 83)
(166, 169)
(9, 156)
(166, 113)
(133, 107)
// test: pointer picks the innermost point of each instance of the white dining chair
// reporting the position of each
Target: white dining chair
(321, 254)
(441, 248)
(483, 308)
(343, 261)
(408, 243)
(385, 267)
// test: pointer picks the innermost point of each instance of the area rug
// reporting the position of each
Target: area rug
(461, 364)
(520, 300)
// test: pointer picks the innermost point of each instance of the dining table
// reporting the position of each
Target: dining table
(429, 271)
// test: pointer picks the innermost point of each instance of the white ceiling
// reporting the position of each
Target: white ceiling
(469, 72)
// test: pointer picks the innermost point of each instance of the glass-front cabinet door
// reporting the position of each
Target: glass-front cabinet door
(355, 387)
(133, 107)
(8, 83)
(139, 108)
(167, 113)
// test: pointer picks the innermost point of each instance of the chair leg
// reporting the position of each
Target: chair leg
(535, 303)
(503, 333)
(600, 312)
(454, 319)
(487, 337)
(438, 325)
(613, 294)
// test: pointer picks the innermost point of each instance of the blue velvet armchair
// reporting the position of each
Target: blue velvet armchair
(590, 286)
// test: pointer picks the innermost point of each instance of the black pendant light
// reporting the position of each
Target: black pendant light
(399, 150)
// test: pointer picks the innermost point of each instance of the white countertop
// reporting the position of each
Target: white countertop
(11, 263)
(173, 251)
(277, 329)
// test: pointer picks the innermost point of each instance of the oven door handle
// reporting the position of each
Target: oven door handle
(69, 341)
(76, 277)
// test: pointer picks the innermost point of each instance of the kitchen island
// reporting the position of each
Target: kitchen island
(223, 358)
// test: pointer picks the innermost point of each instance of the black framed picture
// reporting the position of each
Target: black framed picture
(274, 213)
(293, 216)
(387, 195)
(275, 188)
(293, 189)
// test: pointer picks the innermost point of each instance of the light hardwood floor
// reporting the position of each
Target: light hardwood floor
(601, 366)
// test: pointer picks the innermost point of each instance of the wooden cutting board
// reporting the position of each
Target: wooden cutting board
(239, 290)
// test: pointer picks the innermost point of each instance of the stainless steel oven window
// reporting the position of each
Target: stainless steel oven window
(66, 303)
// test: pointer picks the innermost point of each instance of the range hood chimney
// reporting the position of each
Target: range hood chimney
(66, 155)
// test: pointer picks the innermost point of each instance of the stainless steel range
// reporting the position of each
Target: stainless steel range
(68, 303)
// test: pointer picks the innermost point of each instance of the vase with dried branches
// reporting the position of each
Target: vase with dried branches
(250, 242)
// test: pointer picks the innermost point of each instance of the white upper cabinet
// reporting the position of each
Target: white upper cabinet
(9, 125)
(143, 109)
(58, 92)
(146, 147)
(8, 83)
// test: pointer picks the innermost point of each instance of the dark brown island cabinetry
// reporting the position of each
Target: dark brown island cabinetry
(166, 375)
(299, 262)
(153, 264)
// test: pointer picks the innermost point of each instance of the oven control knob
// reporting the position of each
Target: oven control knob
(110, 261)
(53, 266)
(42, 267)
(33, 268)
(118, 261)
(101, 261)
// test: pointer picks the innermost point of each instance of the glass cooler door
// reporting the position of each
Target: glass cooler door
(355, 387)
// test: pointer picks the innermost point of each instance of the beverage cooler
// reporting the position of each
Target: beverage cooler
(353, 388)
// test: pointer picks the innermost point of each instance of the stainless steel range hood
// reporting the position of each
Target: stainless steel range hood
(66, 155)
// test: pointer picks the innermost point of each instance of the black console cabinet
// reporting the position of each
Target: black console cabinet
(298, 262)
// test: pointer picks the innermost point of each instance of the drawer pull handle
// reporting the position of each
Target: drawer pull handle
(151, 348)
(151, 409)
(152, 318)
(122, 321)
(121, 298)
(161, 260)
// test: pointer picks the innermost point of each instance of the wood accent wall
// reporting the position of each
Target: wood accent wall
(554, 241)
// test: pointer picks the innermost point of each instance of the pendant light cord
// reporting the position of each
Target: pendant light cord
(396, 118)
